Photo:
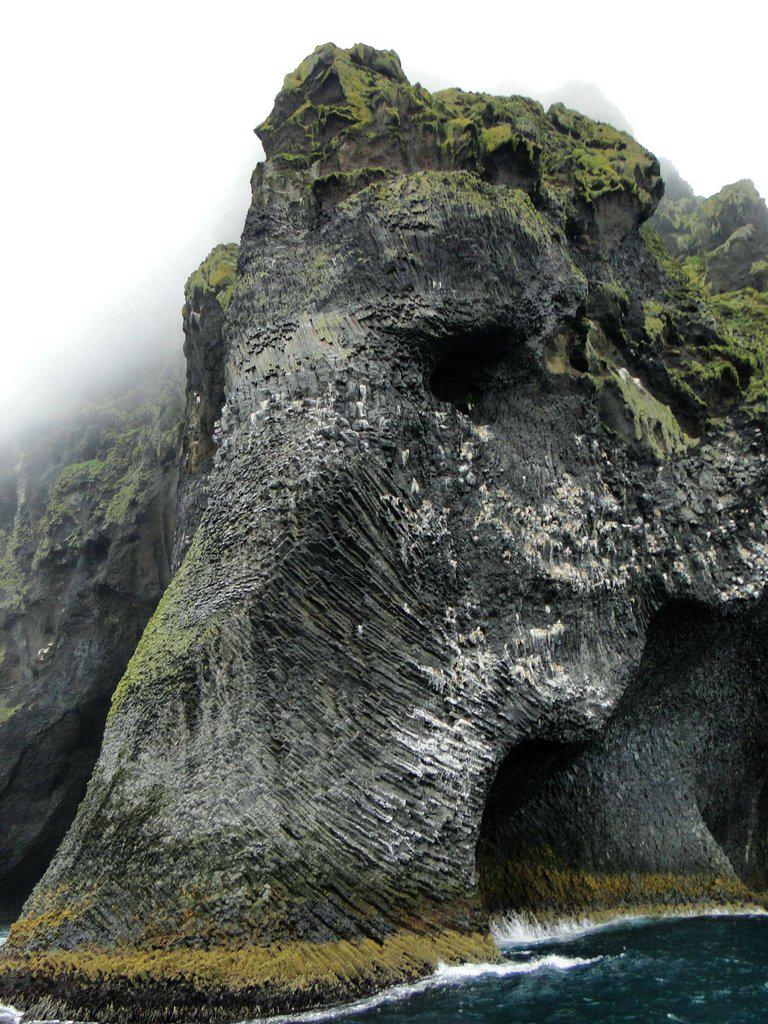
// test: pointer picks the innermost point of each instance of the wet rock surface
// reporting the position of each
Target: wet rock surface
(478, 435)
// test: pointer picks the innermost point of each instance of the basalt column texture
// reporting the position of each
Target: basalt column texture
(479, 436)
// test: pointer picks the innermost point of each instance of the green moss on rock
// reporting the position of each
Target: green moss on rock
(627, 406)
(340, 106)
(215, 278)
(758, 272)
(164, 651)
(128, 437)
(7, 713)
(714, 346)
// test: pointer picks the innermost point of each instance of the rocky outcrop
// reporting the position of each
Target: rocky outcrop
(207, 295)
(473, 602)
(726, 236)
(87, 508)
(722, 246)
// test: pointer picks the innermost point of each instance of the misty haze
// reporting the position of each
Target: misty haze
(383, 514)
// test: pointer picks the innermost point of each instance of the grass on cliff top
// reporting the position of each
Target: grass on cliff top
(723, 367)
(216, 276)
(359, 100)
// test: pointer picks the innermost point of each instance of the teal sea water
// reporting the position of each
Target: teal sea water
(705, 970)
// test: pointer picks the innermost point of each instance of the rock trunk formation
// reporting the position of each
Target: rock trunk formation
(469, 617)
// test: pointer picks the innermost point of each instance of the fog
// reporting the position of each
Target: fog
(129, 142)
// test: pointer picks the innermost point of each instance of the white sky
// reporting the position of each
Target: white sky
(129, 145)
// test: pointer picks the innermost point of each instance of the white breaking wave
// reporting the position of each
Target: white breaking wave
(8, 1015)
(526, 930)
(443, 977)
(461, 972)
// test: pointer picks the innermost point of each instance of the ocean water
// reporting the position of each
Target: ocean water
(697, 970)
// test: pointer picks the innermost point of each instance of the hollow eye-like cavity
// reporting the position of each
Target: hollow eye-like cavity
(476, 372)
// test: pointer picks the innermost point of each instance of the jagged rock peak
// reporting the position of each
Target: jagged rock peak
(346, 110)
(725, 235)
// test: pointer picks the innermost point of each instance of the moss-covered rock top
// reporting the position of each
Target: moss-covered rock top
(214, 279)
(724, 237)
(207, 296)
(348, 120)
(714, 257)
(342, 110)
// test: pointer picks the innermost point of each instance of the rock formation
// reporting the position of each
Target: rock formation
(469, 617)
(87, 512)
(725, 235)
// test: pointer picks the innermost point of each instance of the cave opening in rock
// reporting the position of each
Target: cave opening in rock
(666, 802)
(476, 372)
(510, 829)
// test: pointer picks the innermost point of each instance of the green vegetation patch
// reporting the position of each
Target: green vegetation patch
(627, 406)
(7, 713)
(215, 278)
(87, 476)
(164, 652)
(340, 106)
(713, 347)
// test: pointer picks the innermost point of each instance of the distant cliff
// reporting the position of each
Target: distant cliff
(471, 540)
(724, 239)
(87, 513)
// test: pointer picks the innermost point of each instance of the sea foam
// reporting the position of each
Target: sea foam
(526, 930)
(445, 976)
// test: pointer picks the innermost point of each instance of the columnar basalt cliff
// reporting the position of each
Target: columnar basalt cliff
(469, 618)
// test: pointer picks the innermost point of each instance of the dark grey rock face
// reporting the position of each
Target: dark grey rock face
(673, 785)
(86, 524)
(457, 494)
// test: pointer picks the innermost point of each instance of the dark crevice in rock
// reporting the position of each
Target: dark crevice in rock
(477, 372)
(673, 786)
